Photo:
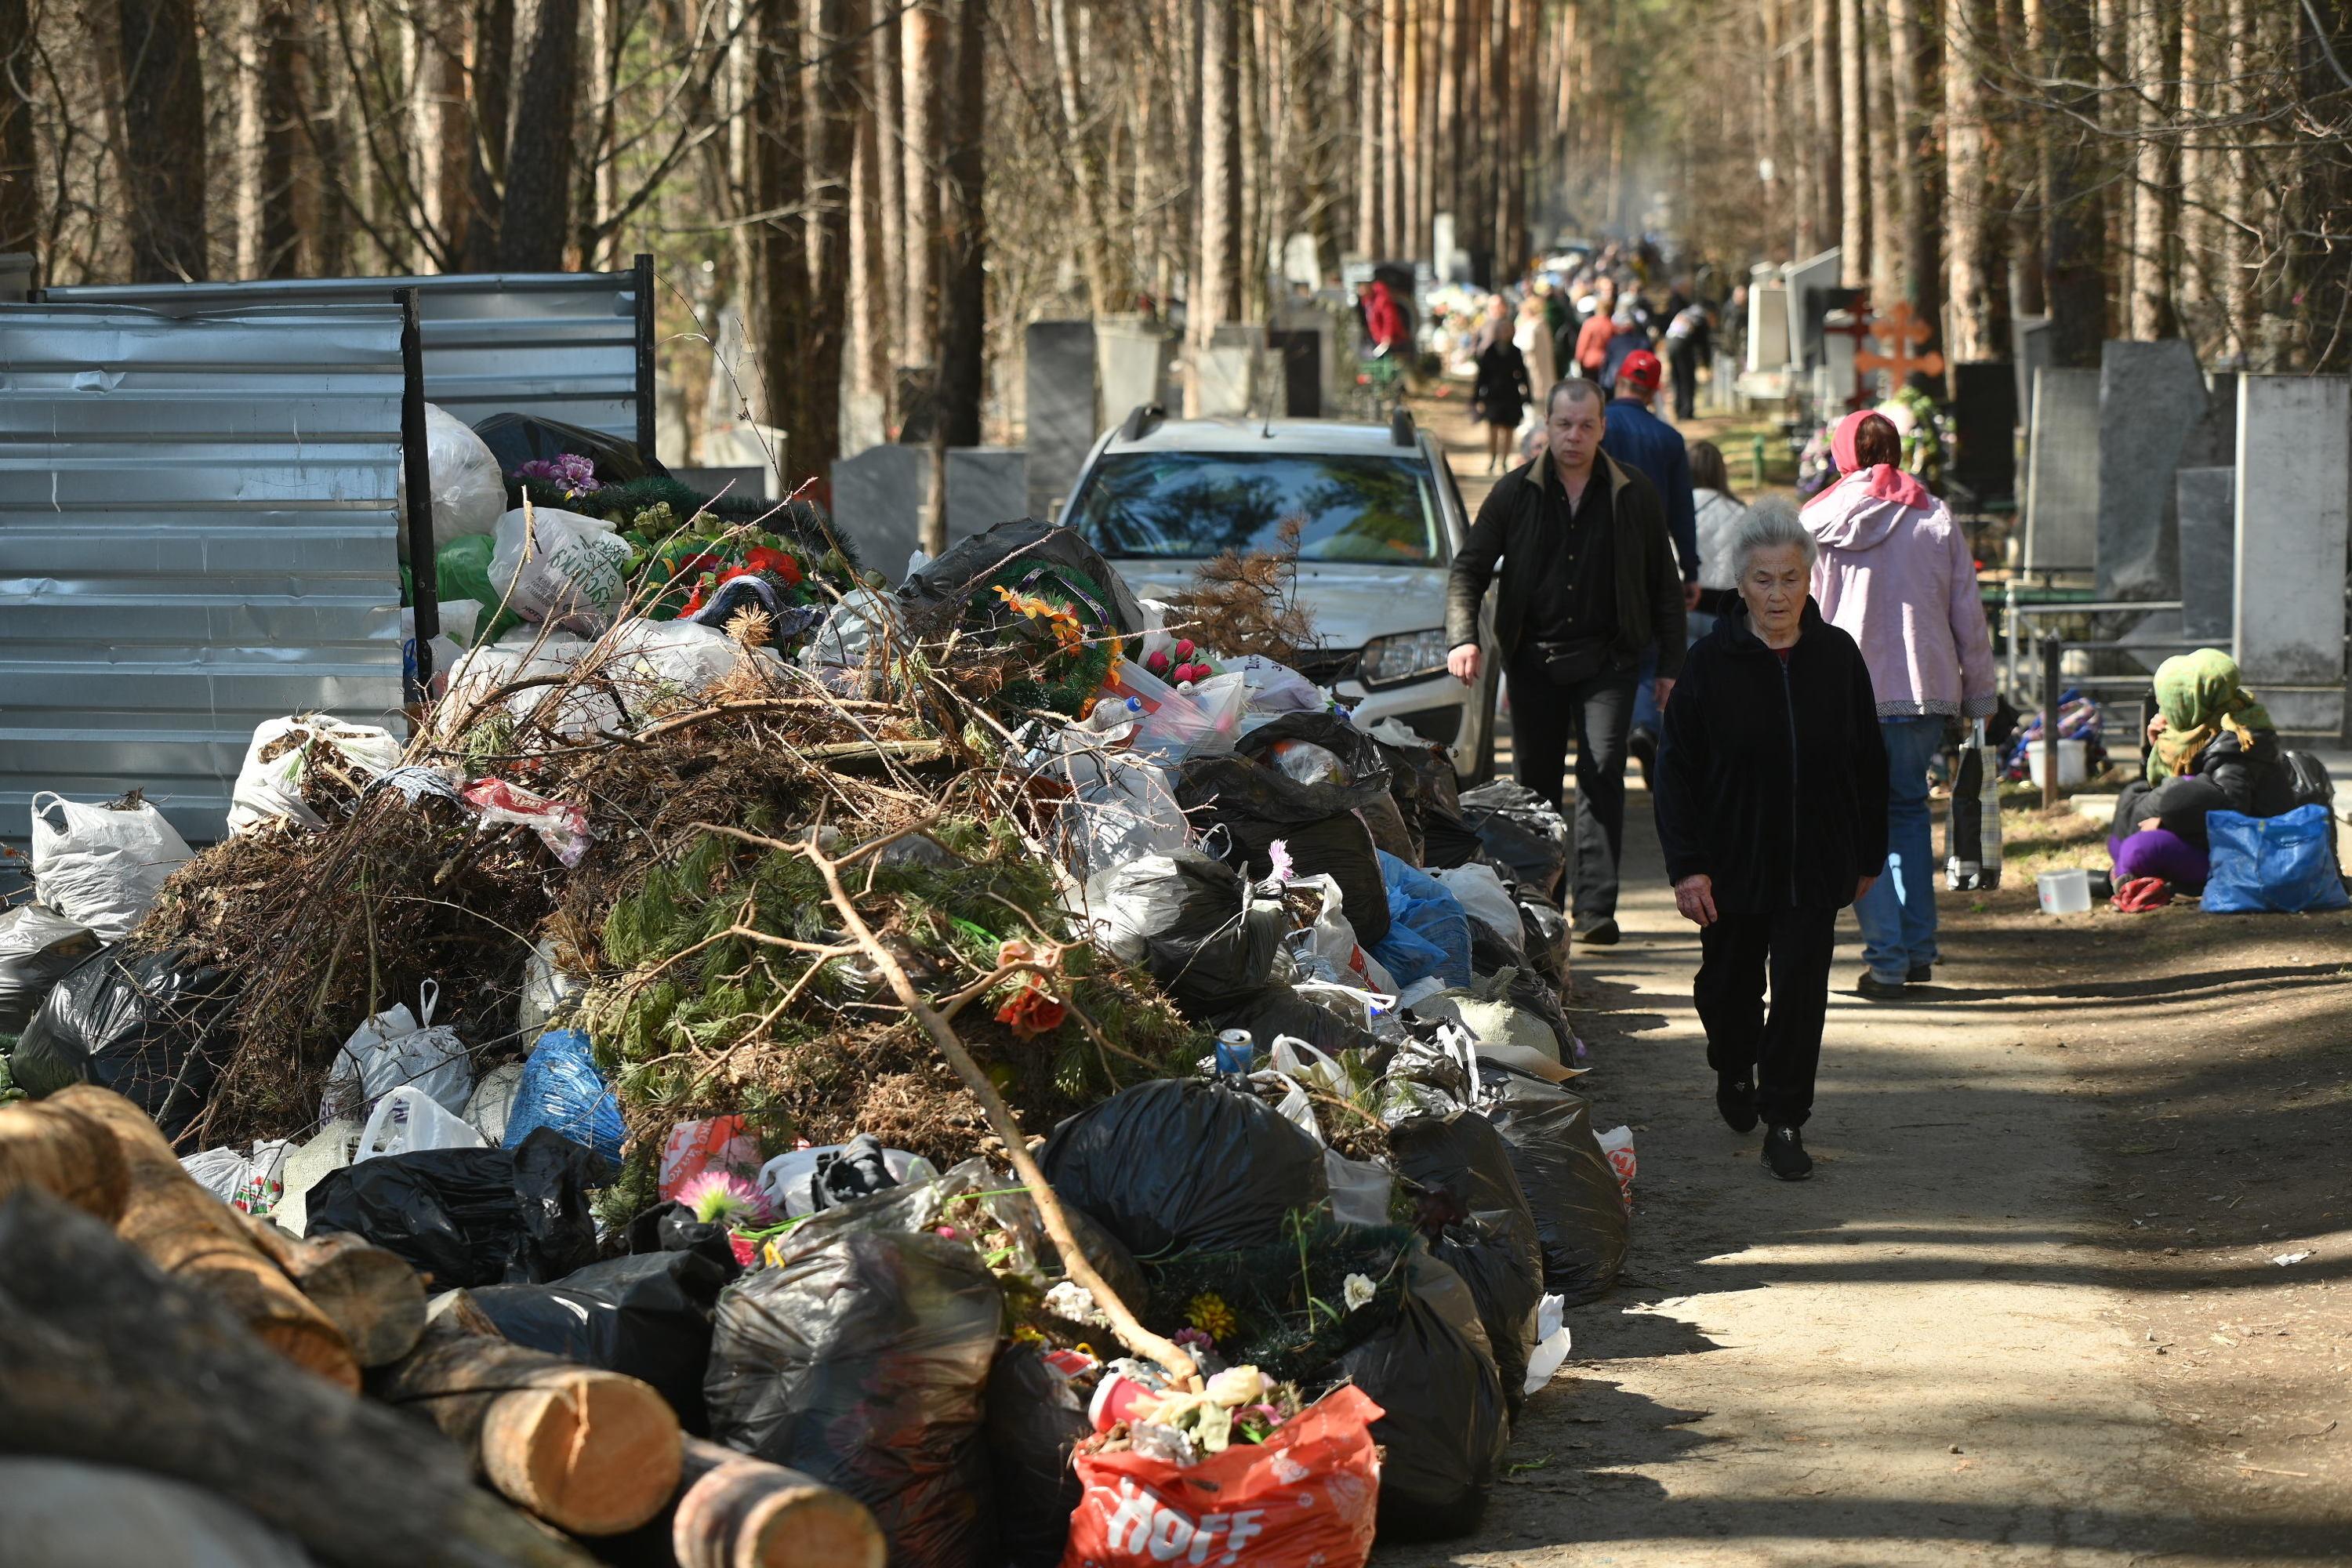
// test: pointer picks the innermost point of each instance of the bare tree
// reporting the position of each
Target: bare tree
(163, 149)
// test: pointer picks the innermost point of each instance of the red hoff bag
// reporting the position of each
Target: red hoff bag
(1305, 1497)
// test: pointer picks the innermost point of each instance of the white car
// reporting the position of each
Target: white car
(1382, 519)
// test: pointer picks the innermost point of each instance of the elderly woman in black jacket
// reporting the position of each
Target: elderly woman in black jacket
(1771, 804)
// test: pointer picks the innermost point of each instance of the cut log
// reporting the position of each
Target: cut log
(372, 1295)
(591, 1452)
(113, 1360)
(187, 1232)
(736, 1511)
(462, 1313)
(58, 1150)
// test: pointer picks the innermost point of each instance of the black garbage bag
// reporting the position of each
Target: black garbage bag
(1479, 1224)
(148, 1026)
(1194, 924)
(1251, 802)
(1545, 935)
(1364, 760)
(1179, 1165)
(1282, 1009)
(470, 1216)
(1038, 556)
(38, 947)
(1526, 837)
(1579, 1206)
(515, 439)
(1034, 1419)
(1488, 951)
(647, 1315)
(861, 1361)
(1446, 1423)
(672, 1228)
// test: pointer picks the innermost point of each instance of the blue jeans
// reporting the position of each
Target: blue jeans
(1898, 914)
(1645, 693)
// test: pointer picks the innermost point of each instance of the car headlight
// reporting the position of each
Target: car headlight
(1407, 656)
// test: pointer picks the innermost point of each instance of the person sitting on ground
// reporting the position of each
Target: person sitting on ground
(1772, 807)
(2210, 747)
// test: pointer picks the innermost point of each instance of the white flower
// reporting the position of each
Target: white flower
(1358, 1291)
(1072, 1301)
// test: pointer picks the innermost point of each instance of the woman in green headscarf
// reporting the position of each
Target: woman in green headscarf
(2210, 748)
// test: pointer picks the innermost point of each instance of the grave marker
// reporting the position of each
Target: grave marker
(1062, 414)
(2151, 408)
(2206, 503)
(2294, 482)
(2061, 472)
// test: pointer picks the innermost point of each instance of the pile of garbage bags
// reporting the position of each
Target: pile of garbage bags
(592, 998)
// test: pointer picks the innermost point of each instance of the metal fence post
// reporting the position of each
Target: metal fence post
(423, 575)
(2053, 652)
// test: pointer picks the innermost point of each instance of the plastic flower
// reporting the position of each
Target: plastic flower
(1358, 1291)
(776, 563)
(1208, 1312)
(1033, 1009)
(1194, 1339)
(576, 474)
(1236, 1385)
(1157, 662)
(723, 1197)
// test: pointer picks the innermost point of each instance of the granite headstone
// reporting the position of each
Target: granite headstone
(878, 498)
(2061, 472)
(2207, 504)
(986, 485)
(2151, 406)
(1063, 416)
(1984, 427)
(2294, 482)
(2030, 338)
(1131, 357)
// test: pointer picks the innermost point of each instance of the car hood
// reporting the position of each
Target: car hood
(1352, 603)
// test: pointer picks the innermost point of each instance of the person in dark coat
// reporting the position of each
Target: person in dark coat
(1499, 397)
(1587, 584)
(1771, 806)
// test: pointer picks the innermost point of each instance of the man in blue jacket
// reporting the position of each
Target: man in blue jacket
(1641, 441)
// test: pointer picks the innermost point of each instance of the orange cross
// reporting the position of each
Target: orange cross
(1903, 334)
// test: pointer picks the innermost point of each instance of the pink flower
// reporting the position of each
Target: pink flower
(724, 1197)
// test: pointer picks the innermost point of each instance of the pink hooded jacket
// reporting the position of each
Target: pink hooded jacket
(1895, 575)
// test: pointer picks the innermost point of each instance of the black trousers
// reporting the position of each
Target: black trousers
(1596, 715)
(1682, 358)
(1783, 1047)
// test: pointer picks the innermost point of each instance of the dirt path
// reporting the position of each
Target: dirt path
(1936, 1350)
(2026, 1312)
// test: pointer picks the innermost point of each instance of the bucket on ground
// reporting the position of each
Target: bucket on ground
(2065, 892)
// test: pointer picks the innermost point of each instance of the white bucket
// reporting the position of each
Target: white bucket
(2065, 892)
(2074, 764)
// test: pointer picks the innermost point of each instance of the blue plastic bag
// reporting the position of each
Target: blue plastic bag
(1429, 931)
(561, 1088)
(2283, 865)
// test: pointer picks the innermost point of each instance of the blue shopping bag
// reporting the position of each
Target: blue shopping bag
(2283, 865)
(561, 1088)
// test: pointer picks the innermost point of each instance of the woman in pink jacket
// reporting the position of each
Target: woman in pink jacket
(1895, 574)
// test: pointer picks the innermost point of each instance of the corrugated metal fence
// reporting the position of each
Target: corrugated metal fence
(197, 533)
(576, 346)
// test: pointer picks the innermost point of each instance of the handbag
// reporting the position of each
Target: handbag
(1572, 663)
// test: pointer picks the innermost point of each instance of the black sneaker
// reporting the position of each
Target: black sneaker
(1601, 933)
(1736, 1099)
(1878, 990)
(1643, 746)
(1920, 974)
(1785, 1156)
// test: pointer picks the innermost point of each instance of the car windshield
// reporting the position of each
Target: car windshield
(1194, 505)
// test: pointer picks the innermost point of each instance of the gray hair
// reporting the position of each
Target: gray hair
(1771, 524)
(1576, 389)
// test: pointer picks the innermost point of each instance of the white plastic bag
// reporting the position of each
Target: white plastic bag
(1552, 1342)
(1482, 897)
(785, 1179)
(575, 713)
(217, 1171)
(1121, 806)
(848, 649)
(1204, 721)
(408, 1121)
(396, 1049)
(660, 665)
(558, 567)
(307, 1166)
(546, 991)
(269, 791)
(1275, 688)
(466, 490)
(1313, 1067)
(101, 867)
(493, 1101)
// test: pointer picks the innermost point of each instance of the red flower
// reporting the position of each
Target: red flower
(692, 564)
(776, 563)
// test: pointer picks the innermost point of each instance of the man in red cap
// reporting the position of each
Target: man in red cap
(1647, 443)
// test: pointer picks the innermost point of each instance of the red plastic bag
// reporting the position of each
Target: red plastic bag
(1305, 1497)
(714, 1144)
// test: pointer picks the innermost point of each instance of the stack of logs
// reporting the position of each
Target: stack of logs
(144, 1324)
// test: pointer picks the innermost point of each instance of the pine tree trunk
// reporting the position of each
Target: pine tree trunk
(2075, 231)
(869, 290)
(1828, 128)
(164, 147)
(1216, 280)
(886, 114)
(965, 235)
(1428, 135)
(489, 100)
(278, 241)
(1079, 136)
(20, 175)
(776, 320)
(1913, 54)
(1391, 157)
(1885, 176)
(923, 66)
(1968, 185)
(2149, 290)
(833, 45)
(535, 222)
